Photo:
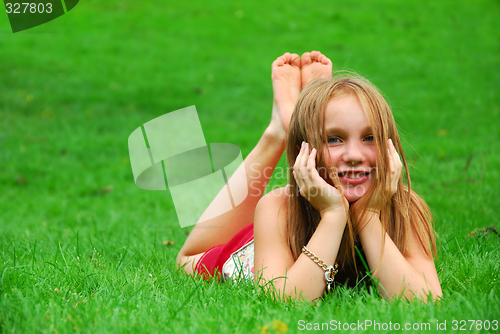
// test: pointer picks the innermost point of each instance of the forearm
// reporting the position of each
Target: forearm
(395, 273)
(305, 277)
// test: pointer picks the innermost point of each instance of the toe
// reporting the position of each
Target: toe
(324, 59)
(287, 58)
(278, 62)
(315, 55)
(295, 60)
(282, 60)
(305, 59)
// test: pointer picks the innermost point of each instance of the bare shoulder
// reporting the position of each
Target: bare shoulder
(275, 201)
(271, 212)
(272, 253)
(277, 196)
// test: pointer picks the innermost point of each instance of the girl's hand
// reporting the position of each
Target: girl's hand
(322, 196)
(395, 167)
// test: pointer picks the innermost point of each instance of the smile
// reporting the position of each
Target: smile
(353, 178)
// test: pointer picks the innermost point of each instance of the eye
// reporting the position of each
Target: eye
(333, 140)
(369, 138)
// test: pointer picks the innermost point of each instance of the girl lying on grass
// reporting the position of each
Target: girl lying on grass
(345, 204)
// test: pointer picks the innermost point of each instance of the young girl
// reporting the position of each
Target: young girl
(345, 197)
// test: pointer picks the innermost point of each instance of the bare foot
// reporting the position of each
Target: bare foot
(286, 88)
(314, 65)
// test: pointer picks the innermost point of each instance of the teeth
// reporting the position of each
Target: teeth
(354, 176)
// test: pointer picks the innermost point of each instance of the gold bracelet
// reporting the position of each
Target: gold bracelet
(330, 271)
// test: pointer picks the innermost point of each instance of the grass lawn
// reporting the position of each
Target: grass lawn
(81, 247)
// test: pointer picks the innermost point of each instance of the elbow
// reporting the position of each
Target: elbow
(406, 291)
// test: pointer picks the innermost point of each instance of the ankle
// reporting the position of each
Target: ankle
(274, 135)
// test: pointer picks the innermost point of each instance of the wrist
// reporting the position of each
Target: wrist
(363, 212)
(337, 213)
(370, 219)
(372, 213)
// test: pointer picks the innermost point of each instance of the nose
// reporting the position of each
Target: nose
(353, 153)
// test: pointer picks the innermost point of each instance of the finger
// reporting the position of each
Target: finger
(297, 159)
(392, 148)
(395, 155)
(394, 172)
(391, 160)
(311, 165)
(298, 180)
(301, 170)
(305, 155)
(298, 172)
(391, 151)
(300, 161)
(395, 166)
(315, 178)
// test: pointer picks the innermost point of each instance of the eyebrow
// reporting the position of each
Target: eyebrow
(340, 130)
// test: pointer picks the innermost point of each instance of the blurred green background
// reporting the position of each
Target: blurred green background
(72, 90)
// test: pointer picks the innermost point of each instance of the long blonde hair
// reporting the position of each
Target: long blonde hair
(399, 214)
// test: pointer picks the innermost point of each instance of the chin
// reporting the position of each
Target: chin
(352, 194)
(352, 199)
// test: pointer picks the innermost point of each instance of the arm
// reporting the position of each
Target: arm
(413, 275)
(273, 257)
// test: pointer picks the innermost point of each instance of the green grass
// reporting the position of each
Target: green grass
(81, 246)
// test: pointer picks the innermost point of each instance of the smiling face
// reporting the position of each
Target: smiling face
(350, 149)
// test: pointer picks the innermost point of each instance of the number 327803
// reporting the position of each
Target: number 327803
(17, 8)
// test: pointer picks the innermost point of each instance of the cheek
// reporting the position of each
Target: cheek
(331, 162)
(372, 157)
(330, 157)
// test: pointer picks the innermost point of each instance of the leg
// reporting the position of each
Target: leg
(286, 89)
(259, 166)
